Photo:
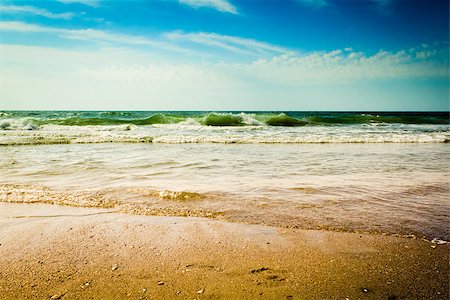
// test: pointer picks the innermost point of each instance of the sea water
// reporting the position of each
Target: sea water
(349, 171)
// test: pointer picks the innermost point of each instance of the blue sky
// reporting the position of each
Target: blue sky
(224, 54)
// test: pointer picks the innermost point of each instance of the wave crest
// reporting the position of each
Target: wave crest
(284, 120)
(33, 120)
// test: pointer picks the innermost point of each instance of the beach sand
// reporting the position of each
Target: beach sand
(58, 252)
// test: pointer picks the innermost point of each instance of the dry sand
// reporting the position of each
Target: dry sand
(56, 252)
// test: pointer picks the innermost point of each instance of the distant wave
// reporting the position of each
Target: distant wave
(34, 120)
(211, 119)
(36, 127)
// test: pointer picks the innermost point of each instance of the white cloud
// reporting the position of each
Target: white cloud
(313, 3)
(115, 76)
(269, 63)
(220, 5)
(174, 41)
(91, 35)
(93, 3)
(231, 43)
(424, 60)
(14, 9)
(21, 27)
(345, 67)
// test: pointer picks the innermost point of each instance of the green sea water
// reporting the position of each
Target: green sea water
(63, 127)
(289, 118)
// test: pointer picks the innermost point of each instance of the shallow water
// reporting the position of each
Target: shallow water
(388, 188)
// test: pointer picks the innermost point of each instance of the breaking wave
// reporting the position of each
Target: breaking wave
(47, 127)
(93, 118)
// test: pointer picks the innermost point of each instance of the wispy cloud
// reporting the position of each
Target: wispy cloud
(91, 35)
(220, 5)
(197, 44)
(93, 3)
(15, 9)
(313, 3)
(230, 43)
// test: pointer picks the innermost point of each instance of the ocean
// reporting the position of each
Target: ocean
(378, 172)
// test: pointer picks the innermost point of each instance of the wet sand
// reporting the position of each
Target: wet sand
(57, 252)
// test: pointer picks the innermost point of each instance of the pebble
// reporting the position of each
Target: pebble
(160, 283)
(438, 241)
(86, 284)
(114, 267)
(365, 290)
(200, 291)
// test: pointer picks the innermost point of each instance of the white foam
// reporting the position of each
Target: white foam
(18, 133)
(17, 124)
(249, 119)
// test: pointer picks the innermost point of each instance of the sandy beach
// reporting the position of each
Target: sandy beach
(58, 252)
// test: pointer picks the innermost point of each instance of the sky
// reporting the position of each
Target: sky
(347, 55)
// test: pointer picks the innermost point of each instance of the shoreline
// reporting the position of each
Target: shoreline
(63, 252)
(166, 203)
